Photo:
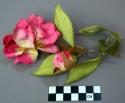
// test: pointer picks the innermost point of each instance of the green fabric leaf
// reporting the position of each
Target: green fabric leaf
(46, 68)
(102, 46)
(111, 45)
(116, 36)
(91, 30)
(82, 70)
(113, 49)
(64, 24)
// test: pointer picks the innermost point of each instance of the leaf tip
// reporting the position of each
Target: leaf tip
(72, 44)
(57, 7)
(36, 73)
(80, 31)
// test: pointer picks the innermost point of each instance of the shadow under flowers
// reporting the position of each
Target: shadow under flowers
(3, 60)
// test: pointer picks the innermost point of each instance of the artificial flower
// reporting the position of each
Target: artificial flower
(63, 61)
(30, 35)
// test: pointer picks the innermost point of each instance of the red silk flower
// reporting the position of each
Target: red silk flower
(30, 35)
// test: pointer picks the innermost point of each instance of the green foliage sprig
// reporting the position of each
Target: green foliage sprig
(109, 46)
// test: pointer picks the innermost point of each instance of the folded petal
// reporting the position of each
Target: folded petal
(22, 23)
(62, 61)
(24, 37)
(13, 50)
(68, 60)
(8, 40)
(51, 33)
(28, 57)
(35, 20)
(68, 55)
(10, 47)
(49, 48)
(59, 61)
(39, 33)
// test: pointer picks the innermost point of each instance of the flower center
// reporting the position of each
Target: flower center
(38, 44)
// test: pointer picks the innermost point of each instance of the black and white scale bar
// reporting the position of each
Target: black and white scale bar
(74, 93)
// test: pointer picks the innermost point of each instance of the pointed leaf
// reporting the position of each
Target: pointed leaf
(46, 68)
(91, 30)
(82, 70)
(64, 24)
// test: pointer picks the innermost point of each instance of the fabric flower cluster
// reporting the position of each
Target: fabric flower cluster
(30, 35)
(33, 34)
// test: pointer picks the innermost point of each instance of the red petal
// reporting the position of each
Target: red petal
(8, 40)
(12, 51)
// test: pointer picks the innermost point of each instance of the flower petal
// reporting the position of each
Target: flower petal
(24, 38)
(68, 60)
(68, 55)
(35, 20)
(8, 40)
(22, 23)
(39, 33)
(62, 61)
(13, 51)
(49, 49)
(51, 33)
(59, 61)
(28, 57)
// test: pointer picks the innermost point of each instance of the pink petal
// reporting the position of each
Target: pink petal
(22, 23)
(35, 20)
(51, 33)
(58, 61)
(24, 37)
(62, 62)
(28, 57)
(39, 33)
(49, 49)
